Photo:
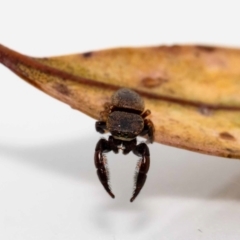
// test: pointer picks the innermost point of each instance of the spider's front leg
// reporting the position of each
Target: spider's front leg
(100, 126)
(142, 151)
(103, 146)
(148, 129)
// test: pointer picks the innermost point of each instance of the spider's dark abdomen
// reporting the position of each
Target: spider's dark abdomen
(124, 125)
(126, 98)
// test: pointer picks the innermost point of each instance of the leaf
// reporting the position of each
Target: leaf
(192, 91)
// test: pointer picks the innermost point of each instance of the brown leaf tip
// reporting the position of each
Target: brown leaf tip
(227, 136)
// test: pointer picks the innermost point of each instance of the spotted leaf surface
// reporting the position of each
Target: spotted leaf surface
(192, 91)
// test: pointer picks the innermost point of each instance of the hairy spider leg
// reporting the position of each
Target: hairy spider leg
(103, 146)
(142, 151)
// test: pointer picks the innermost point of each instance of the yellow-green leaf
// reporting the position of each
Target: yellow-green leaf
(193, 92)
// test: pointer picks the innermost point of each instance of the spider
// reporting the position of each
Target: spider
(124, 117)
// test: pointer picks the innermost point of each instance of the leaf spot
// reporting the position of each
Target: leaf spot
(87, 54)
(206, 48)
(63, 89)
(204, 110)
(227, 136)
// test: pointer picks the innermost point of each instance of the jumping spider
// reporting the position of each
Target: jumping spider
(125, 119)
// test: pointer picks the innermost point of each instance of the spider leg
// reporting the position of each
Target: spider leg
(103, 146)
(100, 126)
(141, 175)
(129, 146)
(146, 113)
(148, 129)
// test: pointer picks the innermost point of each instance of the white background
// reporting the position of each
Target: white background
(48, 184)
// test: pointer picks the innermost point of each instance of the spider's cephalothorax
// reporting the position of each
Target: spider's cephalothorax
(124, 117)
